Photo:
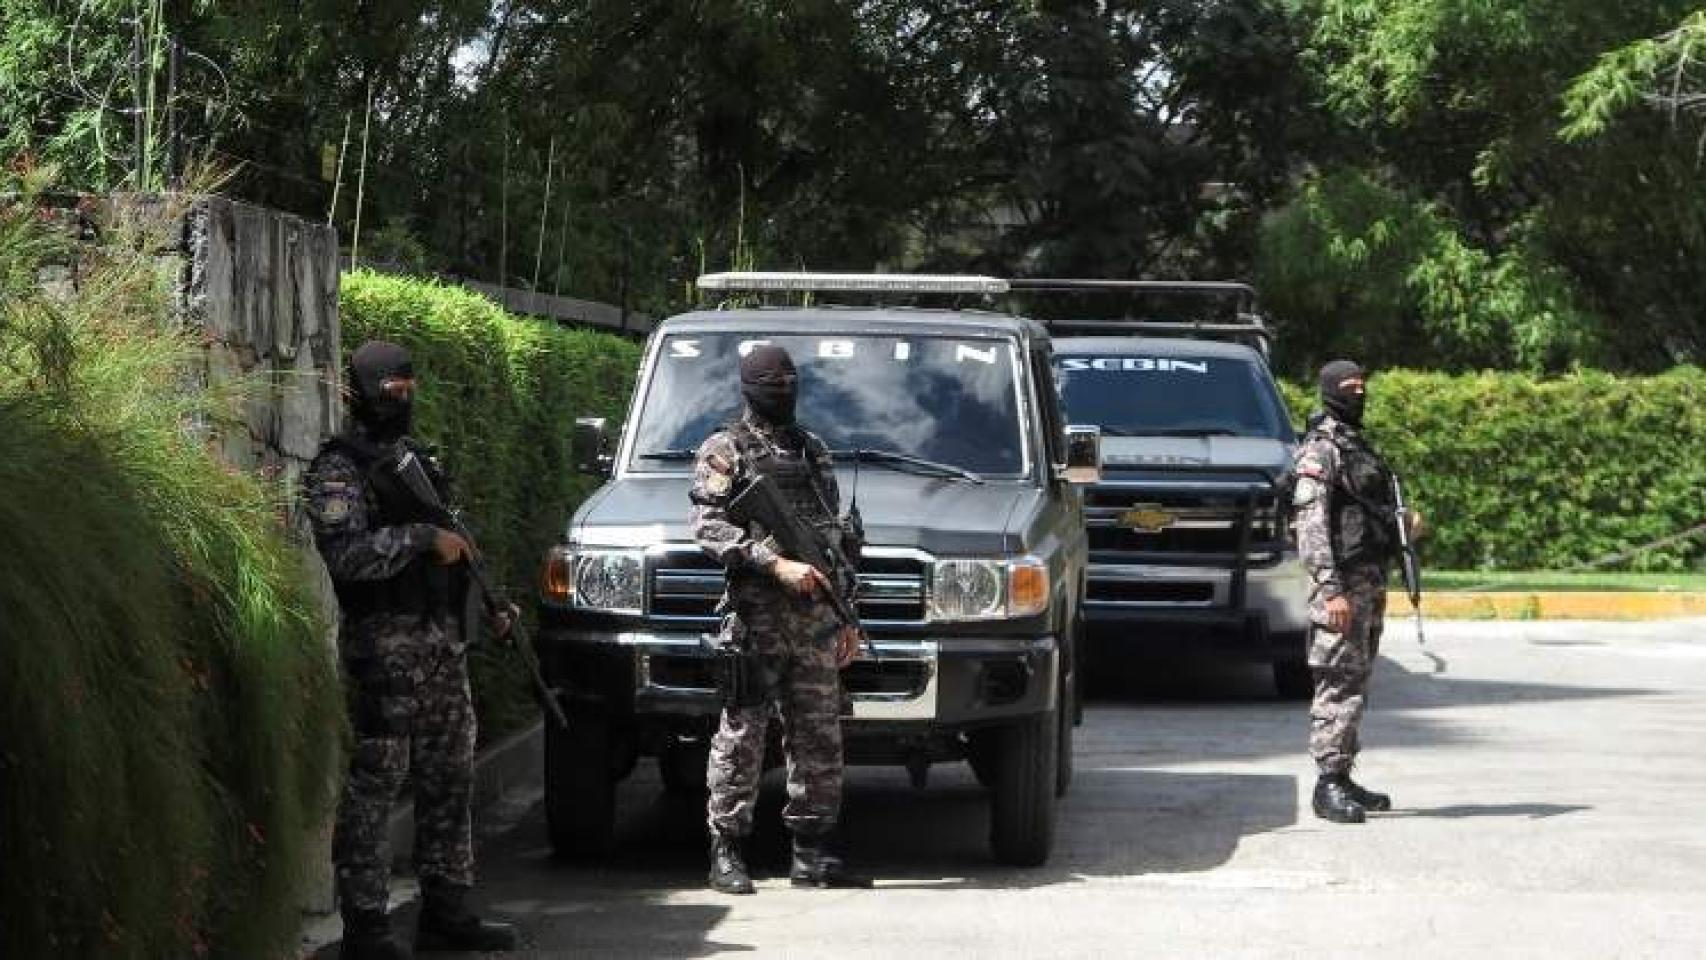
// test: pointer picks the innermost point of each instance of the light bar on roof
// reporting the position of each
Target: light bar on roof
(851, 282)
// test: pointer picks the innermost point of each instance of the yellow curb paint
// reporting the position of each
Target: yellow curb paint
(1559, 605)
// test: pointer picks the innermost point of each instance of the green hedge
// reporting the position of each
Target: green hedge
(1523, 473)
(498, 396)
(169, 710)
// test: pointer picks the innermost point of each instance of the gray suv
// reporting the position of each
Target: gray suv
(1189, 551)
(946, 427)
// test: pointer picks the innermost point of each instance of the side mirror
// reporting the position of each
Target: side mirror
(1083, 455)
(590, 446)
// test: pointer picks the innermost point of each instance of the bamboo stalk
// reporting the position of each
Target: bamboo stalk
(338, 178)
(361, 176)
(544, 211)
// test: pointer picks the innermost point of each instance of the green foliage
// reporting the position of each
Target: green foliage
(1484, 581)
(1353, 266)
(1522, 473)
(1300, 401)
(498, 396)
(858, 134)
(395, 245)
(169, 711)
(1589, 246)
(1664, 71)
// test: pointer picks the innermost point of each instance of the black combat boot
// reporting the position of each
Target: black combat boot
(728, 865)
(1370, 801)
(447, 923)
(368, 936)
(815, 865)
(1333, 800)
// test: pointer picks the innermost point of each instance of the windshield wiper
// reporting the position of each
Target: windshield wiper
(1194, 432)
(896, 458)
(677, 454)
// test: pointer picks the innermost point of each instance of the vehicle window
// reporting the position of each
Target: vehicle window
(953, 400)
(1054, 429)
(1154, 396)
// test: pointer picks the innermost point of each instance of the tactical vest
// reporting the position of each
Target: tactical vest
(794, 476)
(1362, 519)
(423, 588)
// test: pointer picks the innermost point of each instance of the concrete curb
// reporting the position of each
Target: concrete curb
(1552, 605)
(515, 762)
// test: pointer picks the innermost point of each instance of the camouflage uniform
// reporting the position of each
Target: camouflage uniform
(1345, 544)
(794, 640)
(407, 672)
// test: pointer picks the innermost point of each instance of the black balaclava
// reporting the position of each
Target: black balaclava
(1346, 407)
(769, 384)
(383, 417)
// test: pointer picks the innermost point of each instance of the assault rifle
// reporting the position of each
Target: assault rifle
(414, 477)
(762, 503)
(1409, 561)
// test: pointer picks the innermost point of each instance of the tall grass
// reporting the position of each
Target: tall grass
(169, 714)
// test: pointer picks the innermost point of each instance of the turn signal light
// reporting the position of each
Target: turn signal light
(557, 581)
(1027, 587)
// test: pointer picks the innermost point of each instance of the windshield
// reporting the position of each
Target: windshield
(952, 400)
(1171, 396)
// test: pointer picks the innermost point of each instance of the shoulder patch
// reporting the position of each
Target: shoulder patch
(718, 483)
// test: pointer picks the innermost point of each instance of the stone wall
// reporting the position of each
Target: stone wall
(263, 286)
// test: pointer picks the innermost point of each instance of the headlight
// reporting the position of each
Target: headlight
(609, 580)
(969, 589)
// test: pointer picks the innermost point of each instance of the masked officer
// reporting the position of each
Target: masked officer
(1347, 538)
(401, 588)
(791, 644)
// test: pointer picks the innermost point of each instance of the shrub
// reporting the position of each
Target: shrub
(498, 396)
(169, 715)
(1518, 472)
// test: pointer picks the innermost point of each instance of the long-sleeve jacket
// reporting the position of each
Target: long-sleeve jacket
(355, 548)
(1336, 530)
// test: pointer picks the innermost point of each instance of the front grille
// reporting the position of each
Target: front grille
(688, 583)
(1150, 591)
(1200, 524)
(1222, 539)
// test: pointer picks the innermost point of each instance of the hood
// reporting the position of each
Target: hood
(1195, 453)
(937, 515)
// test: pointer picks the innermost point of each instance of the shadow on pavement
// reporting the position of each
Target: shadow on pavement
(1533, 811)
(1115, 822)
(1182, 706)
(1149, 799)
(648, 899)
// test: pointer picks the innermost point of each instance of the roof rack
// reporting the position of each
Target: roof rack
(758, 281)
(1249, 324)
(1237, 288)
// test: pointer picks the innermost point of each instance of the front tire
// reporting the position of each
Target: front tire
(1021, 803)
(580, 787)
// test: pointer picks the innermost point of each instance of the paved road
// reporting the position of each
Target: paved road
(1550, 782)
